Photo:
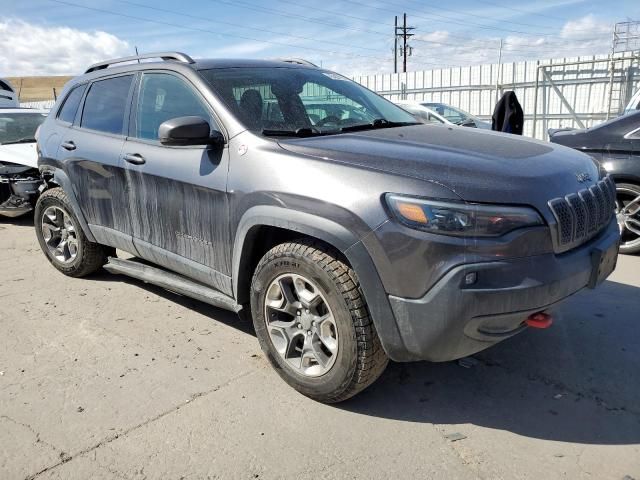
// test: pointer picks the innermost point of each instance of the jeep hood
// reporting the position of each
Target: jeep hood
(19, 154)
(478, 165)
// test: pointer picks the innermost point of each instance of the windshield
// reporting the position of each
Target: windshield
(19, 127)
(301, 101)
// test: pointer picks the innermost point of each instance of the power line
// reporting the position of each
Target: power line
(226, 34)
(474, 15)
(217, 33)
(314, 20)
(465, 24)
(522, 11)
(454, 22)
(173, 12)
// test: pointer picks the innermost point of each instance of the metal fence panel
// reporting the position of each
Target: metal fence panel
(554, 93)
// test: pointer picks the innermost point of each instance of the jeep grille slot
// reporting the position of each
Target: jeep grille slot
(580, 216)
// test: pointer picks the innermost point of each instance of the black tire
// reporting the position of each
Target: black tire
(630, 242)
(90, 256)
(360, 359)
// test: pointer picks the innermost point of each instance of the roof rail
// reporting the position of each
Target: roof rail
(166, 56)
(298, 61)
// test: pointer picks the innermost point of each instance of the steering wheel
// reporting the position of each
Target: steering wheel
(328, 119)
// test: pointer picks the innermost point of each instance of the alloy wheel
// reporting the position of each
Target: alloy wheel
(60, 234)
(301, 325)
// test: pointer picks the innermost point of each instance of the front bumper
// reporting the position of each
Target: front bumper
(453, 320)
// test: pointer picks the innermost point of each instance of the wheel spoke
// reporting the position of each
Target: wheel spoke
(290, 304)
(309, 297)
(60, 250)
(632, 207)
(49, 232)
(326, 328)
(283, 335)
(319, 354)
(632, 225)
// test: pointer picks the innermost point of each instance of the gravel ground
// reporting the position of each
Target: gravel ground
(107, 377)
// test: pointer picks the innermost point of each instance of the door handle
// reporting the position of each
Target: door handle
(68, 145)
(134, 158)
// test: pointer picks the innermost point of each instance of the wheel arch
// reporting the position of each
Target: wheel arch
(56, 177)
(263, 227)
(626, 178)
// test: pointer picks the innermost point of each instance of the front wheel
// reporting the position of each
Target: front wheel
(62, 239)
(628, 216)
(312, 322)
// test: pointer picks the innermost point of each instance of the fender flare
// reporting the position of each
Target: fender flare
(60, 178)
(348, 244)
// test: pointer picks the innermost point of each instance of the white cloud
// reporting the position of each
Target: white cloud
(29, 49)
(585, 26)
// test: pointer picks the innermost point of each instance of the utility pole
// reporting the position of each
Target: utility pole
(395, 45)
(404, 32)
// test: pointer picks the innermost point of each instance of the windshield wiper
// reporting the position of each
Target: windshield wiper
(20, 140)
(299, 132)
(377, 123)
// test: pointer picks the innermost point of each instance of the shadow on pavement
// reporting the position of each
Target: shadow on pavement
(220, 315)
(578, 381)
(22, 221)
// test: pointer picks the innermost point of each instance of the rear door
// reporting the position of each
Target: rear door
(90, 150)
(177, 194)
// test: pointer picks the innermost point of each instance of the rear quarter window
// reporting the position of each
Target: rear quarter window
(70, 106)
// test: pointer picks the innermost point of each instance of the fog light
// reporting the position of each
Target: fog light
(470, 278)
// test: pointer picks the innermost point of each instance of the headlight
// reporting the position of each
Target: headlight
(460, 219)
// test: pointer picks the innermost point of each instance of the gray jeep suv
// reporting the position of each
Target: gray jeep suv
(347, 231)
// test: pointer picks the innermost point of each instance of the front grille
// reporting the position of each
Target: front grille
(582, 215)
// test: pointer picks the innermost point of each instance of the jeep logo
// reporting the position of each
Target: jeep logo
(583, 177)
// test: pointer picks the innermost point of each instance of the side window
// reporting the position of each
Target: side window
(106, 103)
(70, 106)
(163, 97)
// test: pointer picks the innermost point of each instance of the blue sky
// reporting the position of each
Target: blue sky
(351, 36)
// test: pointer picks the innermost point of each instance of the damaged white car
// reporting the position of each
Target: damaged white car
(19, 175)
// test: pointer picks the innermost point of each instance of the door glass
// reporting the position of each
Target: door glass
(105, 105)
(163, 97)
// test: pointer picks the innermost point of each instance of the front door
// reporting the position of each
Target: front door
(177, 194)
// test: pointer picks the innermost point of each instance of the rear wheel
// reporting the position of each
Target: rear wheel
(312, 322)
(628, 216)
(62, 239)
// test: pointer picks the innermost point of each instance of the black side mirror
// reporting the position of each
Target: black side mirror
(188, 131)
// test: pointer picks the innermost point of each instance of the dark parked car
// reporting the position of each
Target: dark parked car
(616, 145)
(347, 240)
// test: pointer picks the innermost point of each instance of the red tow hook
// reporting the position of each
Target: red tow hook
(539, 320)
